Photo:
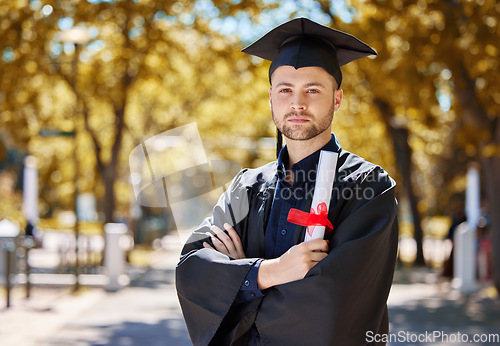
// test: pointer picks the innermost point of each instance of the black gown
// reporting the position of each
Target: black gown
(340, 301)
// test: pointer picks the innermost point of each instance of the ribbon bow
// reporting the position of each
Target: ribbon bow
(314, 218)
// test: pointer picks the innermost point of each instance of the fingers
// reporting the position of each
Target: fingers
(219, 246)
(227, 243)
(317, 256)
(224, 238)
(236, 240)
(207, 245)
(311, 252)
(317, 245)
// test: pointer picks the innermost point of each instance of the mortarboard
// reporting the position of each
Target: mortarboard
(302, 43)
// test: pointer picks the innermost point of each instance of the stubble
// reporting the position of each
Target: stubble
(306, 131)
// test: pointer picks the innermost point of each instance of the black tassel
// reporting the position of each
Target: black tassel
(279, 142)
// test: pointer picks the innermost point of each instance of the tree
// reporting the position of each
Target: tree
(446, 49)
(471, 43)
(150, 66)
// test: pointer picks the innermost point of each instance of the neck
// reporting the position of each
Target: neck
(297, 150)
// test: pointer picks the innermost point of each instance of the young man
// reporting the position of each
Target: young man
(258, 282)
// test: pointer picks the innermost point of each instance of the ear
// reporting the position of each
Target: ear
(270, 99)
(337, 97)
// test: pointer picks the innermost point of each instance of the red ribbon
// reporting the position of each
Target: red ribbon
(319, 218)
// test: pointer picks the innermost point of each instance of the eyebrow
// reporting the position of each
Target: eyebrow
(284, 84)
(311, 84)
(307, 85)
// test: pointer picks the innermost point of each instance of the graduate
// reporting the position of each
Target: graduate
(246, 276)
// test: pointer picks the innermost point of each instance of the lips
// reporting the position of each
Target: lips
(297, 120)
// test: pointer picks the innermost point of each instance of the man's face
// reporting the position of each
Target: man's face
(303, 101)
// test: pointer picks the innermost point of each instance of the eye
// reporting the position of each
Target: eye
(285, 90)
(312, 91)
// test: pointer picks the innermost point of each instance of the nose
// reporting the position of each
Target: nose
(298, 103)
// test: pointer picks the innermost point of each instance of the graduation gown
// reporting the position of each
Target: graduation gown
(340, 300)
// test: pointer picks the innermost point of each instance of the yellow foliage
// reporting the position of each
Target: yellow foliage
(140, 75)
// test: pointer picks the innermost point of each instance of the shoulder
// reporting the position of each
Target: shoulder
(354, 169)
(256, 178)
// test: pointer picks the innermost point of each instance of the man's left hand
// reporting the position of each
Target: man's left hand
(228, 244)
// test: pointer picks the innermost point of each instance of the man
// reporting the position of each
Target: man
(246, 276)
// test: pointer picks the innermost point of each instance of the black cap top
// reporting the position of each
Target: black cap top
(303, 43)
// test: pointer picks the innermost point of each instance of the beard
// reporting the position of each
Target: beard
(304, 132)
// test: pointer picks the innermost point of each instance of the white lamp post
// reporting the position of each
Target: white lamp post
(30, 190)
(464, 263)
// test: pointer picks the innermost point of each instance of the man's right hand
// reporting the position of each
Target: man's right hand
(292, 265)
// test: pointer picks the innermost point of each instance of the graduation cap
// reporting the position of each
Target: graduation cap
(304, 43)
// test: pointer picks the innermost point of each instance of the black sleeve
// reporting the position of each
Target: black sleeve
(208, 281)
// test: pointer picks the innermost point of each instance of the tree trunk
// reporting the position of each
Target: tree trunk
(403, 152)
(109, 177)
(403, 158)
(491, 169)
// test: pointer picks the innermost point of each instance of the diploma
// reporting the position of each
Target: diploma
(317, 220)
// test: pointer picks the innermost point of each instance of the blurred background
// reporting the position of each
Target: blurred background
(85, 82)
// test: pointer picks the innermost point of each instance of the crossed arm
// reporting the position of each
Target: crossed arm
(291, 266)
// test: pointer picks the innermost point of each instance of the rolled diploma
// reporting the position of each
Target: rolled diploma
(325, 175)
